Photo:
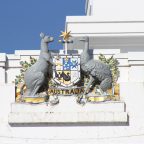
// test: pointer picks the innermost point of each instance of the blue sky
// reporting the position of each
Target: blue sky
(21, 21)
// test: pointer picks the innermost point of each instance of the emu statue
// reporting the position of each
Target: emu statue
(36, 77)
(98, 71)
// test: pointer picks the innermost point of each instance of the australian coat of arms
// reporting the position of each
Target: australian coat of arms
(66, 71)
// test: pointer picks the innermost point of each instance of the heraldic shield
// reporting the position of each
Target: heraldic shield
(67, 71)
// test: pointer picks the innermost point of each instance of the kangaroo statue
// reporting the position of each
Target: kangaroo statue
(36, 77)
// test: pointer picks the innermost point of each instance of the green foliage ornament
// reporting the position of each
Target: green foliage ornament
(25, 65)
(113, 63)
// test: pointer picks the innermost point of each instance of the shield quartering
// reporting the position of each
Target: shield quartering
(67, 71)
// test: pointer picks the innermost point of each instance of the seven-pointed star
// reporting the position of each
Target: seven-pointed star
(65, 35)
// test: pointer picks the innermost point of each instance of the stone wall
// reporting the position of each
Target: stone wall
(128, 10)
(10, 64)
(115, 29)
(131, 64)
(33, 127)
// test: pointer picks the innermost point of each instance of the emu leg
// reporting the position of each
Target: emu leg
(90, 82)
(106, 84)
(34, 92)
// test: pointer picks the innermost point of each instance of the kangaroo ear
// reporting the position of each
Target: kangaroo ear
(42, 35)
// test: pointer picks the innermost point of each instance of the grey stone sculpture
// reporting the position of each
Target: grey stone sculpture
(36, 77)
(98, 71)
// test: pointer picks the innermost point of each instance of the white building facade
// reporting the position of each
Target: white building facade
(115, 28)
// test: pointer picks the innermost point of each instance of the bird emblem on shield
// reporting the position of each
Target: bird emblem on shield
(67, 70)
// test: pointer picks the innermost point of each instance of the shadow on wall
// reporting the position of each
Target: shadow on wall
(125, 44)
(86, 124)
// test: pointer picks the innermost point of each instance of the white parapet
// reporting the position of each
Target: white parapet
(27, 52)
(2, 75)
(68, 104)
(68, 111)
(133, 94)
(115, 9)
(90, 25)
(2, 67)
(7, 95)
(136, 63)
(128, 36)
(72, 118)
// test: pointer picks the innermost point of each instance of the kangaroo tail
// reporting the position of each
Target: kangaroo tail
(22, 88)
(19, 91)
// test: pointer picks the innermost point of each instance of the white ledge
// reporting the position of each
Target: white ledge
(2, 57)
(95, 19)
(13, 57)
(66, 105)
(27, 52)
(136, 56)
(89, 25)
(75, 117)
(69, 112)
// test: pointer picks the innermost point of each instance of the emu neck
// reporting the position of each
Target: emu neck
(44, 46)
(86, 47)
(85, 56)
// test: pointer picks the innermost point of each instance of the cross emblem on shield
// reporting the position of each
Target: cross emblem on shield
(67, 71)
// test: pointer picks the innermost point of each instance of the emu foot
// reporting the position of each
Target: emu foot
(54, 100)
(82, 99)
(100, 92)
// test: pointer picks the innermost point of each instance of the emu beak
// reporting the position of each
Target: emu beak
(82, 39)
(86, 38)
